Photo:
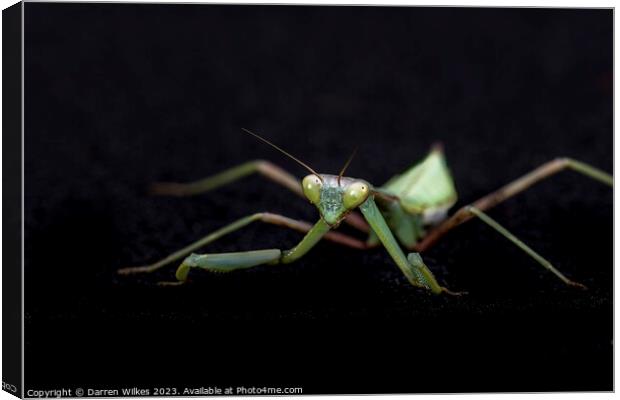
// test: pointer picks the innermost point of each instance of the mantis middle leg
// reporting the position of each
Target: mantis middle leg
(275, 219)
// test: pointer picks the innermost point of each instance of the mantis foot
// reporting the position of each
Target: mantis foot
(451, 293)
(135, 270)
(576, 285)
(168, 283)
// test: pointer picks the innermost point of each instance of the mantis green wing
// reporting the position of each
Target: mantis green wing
(422, 195)
(426, 187)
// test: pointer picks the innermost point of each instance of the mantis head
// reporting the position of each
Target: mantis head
(335, 196)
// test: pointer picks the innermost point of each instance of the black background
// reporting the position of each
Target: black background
(119, 96)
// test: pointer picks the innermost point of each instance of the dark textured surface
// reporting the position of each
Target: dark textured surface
(119, 96)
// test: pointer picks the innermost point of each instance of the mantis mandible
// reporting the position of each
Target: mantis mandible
(397, 213)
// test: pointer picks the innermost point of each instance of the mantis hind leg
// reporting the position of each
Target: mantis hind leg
(515, 187)
(528, 250)
(262, 167)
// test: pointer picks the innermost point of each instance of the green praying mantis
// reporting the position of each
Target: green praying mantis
(410, 210)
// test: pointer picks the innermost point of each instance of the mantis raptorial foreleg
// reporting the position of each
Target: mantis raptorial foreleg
(413, 267)
(225, 262)
(262, 167)
(275, 219)
(513, 188)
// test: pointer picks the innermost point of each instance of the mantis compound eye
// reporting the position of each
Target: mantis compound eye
(311, 186)
(355, 194)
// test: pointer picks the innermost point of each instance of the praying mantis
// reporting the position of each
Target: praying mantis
(410, 210)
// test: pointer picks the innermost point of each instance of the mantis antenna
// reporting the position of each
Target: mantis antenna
(346, 165)
(283, 152)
